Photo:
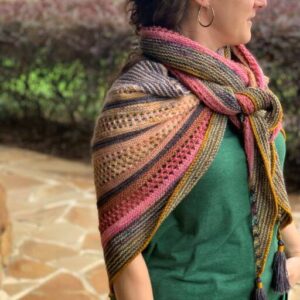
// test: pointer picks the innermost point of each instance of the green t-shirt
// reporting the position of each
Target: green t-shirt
(204, 248)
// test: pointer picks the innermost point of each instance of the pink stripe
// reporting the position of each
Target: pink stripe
(169, 35)
(249, 145)
(147, 202)
(254, 66)
(246, 103)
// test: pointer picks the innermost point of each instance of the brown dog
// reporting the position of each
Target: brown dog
(5, 233)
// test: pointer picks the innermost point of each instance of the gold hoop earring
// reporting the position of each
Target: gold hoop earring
(213, 13)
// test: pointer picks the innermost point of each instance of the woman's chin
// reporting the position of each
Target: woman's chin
(242, 38)
(246, 38)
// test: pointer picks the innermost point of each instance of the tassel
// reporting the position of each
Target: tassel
(280, 282)
(259, 293)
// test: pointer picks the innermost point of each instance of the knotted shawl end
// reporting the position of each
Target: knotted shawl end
(280, 282)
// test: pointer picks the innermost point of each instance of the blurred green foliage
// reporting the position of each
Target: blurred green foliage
(64, 92)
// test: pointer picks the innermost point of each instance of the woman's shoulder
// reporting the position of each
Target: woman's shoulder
(149, 77)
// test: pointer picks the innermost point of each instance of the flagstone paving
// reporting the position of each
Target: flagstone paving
(57, 252)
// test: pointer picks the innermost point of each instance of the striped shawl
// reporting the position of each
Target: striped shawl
(159, 130)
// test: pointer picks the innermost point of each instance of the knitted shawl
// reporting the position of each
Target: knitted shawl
(160, 127)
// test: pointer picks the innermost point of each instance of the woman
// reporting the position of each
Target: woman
(188, 156)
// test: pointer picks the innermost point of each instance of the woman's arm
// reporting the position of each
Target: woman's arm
(291, 238)
(133, 282)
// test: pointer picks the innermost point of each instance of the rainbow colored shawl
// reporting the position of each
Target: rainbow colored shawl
(159, 130)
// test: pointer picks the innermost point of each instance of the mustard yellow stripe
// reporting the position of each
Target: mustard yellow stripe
(287, 210)
(274, 158)
(280, 115)
(269, 238)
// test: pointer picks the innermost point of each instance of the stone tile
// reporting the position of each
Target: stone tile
(26, 268)
(84, 217)
(11, 180)
(294, 294)
(21, 232)
(62, 287)
(54, 193)
(296, 216)
(83, 183)
(97, 277)
(295, 202)
(87, 199)
(78, 262)
(45, 252)
(63, 232)
(16, 287)
(42, 216)
(18, 201)
(4, 295)
(56, 168)
(92, 241)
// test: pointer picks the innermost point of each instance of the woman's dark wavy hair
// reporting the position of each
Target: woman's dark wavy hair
(164, 13)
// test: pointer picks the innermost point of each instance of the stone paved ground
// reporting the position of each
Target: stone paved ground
(57, 252)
